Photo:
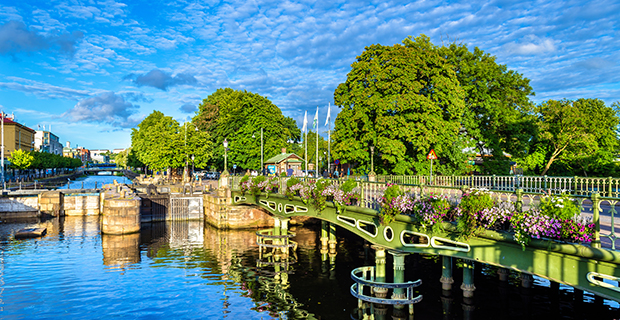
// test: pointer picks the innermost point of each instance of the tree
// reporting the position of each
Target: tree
(238, 116)
(21, 159)
(579, 132)
(498, 115)
(404, 100)
(156, 142)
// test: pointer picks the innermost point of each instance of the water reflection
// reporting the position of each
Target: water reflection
(120, 250)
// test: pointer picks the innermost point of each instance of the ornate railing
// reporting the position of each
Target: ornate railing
(598, 198)
(365, 277)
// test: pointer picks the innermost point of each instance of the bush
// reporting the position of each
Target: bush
(561, 207)
(469, 209)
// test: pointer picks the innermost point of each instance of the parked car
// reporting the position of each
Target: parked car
(212, 175)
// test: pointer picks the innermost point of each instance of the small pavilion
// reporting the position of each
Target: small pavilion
(281, 162)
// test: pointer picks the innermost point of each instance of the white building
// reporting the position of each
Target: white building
(46, 141)
(99, 155)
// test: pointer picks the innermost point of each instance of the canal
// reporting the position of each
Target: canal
(188, 270)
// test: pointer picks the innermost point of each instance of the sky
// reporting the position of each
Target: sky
(92, 70)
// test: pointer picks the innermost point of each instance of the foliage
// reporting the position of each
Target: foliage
(160, 142)
(44, 160)
(258, 184)
(497, 116)
(348, 185)
(577, 132)
(558, 207)
(392, 203)
(290, 193)
(318, 198)
(472, 203)
(21, 159)
(404, 100)
(533, 224)
(237, 116)
(575, 231)
(430, 211)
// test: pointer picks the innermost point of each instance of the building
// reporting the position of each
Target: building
(46, 141)
(16, 136)
(282, 162)
(118, 150)
(77, 152)
(100, 155)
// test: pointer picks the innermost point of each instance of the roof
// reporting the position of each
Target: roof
(282, 157)
(8, 121)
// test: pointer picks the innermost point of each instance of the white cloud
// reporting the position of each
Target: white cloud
(107, 107)
(538, 46)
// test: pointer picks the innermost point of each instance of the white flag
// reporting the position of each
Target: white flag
(329, 111)
(305, 127)
(315, 123)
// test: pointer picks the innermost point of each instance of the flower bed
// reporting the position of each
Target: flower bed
(557, 217)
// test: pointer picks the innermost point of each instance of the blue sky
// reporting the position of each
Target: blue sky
(94, 69)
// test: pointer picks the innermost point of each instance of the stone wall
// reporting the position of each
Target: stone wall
(22, 206)
(219, 213)
(86, 204)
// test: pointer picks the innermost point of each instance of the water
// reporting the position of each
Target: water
(92, 182)
(186, 270)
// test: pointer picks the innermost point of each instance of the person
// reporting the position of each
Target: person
(325, 174)
(336, 174)
(289, 171)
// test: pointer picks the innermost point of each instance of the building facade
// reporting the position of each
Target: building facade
(46, 141)
(100, 156)
(16, 136)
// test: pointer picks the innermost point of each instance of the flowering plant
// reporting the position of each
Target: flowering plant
(272, 183)
(292, 187)
(392, 203)
(560, 207)
(430, 211)
(472, 203)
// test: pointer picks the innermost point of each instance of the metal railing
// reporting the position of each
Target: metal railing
(365, 276)
(597, 198)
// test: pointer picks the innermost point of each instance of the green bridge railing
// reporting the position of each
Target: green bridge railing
(597, 198)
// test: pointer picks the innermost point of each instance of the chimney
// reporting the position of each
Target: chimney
(68, 144)
(283, 150)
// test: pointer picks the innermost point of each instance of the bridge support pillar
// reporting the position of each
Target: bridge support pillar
(380, 261)
(332, 238)
(446, 273)
(324, 239)
(504, 274)
(399, 277)
(468, 279)
(526, 280)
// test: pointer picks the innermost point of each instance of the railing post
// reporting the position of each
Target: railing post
(519, 204)
(362, 202)
(596, 205)
(545, 183)
(609, 180)
(575, 190)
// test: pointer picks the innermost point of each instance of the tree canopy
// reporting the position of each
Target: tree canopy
(160, 142)
(238, 117)
(574, 137)
(405, 100)
(408, 99)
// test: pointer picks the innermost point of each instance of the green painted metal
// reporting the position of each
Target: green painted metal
(586, 268)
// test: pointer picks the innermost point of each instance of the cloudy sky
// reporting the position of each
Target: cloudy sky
(94, 69)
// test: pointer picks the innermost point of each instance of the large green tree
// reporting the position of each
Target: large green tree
(160, 142)
(497, 117)
(404, 100)
(238, 117)
(578, 135)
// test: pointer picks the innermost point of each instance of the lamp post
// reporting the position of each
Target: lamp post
(225, 172)
(262, 171)
(192, 165)
(371, 174)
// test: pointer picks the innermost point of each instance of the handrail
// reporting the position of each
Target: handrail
(357, 289)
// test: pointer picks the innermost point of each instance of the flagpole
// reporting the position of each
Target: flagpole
(316, 165)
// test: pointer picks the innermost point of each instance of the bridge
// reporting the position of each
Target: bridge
(592, 268)
(96, 170)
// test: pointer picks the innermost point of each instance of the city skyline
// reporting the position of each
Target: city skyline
(96, 69)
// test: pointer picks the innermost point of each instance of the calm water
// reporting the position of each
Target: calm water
(187, 270)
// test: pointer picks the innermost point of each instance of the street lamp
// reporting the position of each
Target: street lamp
(262, 170)
(372, 158)
(225, 172)
(192, 165)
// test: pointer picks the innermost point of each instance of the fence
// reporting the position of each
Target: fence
(597, 198)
